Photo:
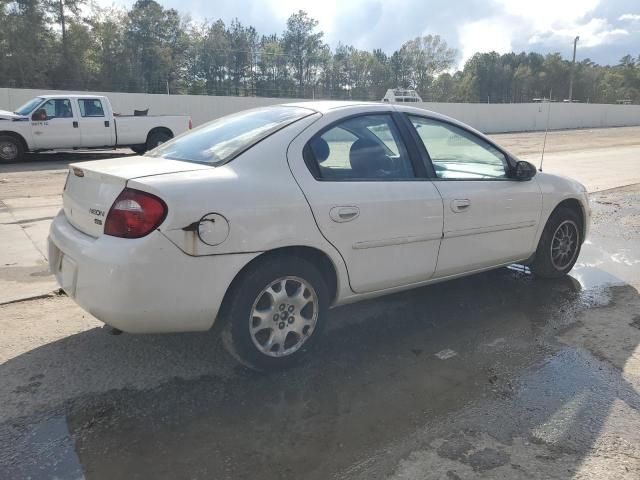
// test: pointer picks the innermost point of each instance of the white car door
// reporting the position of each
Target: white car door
(55, 125)
(95, 128)
(360, 181)
(489, 218)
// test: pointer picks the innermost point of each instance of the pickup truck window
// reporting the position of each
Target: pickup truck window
(219, 141)
(56, 108)
(28, 107)
(90, 107)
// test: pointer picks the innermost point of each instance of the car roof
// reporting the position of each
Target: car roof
(70, 95)
(323, 106)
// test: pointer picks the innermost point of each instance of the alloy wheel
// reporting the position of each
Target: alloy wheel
(564, 244)
(283, 316)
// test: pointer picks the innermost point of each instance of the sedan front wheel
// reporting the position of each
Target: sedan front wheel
(276, 312)
(559, 245)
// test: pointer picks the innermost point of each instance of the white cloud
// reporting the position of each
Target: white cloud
(543, 15)
(608, 29)
(487, 35)
(593, 33)
(324, 11)
(629, 17)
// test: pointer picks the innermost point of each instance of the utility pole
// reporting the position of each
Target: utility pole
(573, 68)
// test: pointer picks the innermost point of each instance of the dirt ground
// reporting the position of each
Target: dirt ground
(530, 143)
(498, 375)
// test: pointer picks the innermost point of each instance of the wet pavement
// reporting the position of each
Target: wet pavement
(498, 375)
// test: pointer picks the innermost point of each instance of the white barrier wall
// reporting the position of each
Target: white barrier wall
(488, 118)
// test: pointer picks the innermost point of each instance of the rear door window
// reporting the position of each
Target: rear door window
(91, 107)
(367, 147)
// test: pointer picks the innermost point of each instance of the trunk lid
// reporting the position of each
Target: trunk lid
(92, 187)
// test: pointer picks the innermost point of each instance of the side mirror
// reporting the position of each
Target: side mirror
(524, 171)
(39, 116)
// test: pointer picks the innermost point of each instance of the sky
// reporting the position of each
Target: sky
(608, 29)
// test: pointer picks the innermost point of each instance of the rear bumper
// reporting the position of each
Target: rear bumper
(144, 285)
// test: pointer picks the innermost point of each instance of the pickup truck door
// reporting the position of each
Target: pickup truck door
(55, 125)
(96, 126)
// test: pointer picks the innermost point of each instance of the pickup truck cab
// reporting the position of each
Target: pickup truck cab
(51, 122)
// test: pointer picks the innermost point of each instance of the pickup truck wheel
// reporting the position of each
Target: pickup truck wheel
(11, 149)
(157, 138)
(275, 313)
(559, 245)
(139, 149)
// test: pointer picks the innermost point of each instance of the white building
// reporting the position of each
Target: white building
(401, 95)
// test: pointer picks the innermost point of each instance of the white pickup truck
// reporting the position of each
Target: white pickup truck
(53, 122)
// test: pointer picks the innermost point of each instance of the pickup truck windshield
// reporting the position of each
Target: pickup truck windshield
(28, 107)
(219, 141)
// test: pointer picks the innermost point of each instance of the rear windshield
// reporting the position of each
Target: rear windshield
(219, 141)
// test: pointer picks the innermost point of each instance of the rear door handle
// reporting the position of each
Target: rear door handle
(460, 205)
(75, 124)
(344, 214)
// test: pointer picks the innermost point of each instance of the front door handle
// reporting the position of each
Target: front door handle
(460, 205)
(344, 214)
(75, 124)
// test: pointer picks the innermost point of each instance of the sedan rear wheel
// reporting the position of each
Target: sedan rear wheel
(275, 312)
(284, 316)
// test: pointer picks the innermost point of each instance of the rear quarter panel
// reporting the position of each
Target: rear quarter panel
(256, 194)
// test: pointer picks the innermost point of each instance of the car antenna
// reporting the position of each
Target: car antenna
(546, 130)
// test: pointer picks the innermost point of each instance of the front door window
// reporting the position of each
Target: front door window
(457, 154)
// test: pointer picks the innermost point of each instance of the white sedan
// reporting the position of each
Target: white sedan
(266, 218)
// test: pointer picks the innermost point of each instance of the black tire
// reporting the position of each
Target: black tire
(156, 138)
(248, 290)
(11, 149)
(544, 264)
(139, 149)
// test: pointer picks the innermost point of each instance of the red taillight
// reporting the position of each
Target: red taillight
(134, 214)
(190, 124)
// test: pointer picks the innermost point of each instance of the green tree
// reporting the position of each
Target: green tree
(242, 56)
(73, 44)
(155, 47)
(108, 53)
(424, 58)
(302, 46)
(28, 43)
(273, 75)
